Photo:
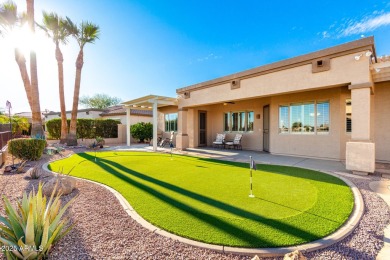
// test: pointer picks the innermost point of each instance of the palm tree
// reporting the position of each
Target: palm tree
(36, 128)
(55, 28)
(86, 32)
(10, 20)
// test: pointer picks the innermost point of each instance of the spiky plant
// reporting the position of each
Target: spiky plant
(29, 230)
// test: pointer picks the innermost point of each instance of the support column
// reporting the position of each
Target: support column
(360, 152)
(128, 134)
(155, 122)
(182, 140)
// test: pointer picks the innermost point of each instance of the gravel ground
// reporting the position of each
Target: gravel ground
(103, 230)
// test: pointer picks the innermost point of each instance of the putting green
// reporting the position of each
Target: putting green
(207, 200)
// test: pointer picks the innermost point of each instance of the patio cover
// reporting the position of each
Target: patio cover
(150, 102)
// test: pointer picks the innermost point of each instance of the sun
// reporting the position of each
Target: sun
(23, 39)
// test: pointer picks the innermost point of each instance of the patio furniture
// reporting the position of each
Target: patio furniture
(167, 141)
(236, 143)
(219, 141)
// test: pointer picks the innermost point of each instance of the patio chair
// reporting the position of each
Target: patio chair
(236, 143)
(219, 141)
(167, 141)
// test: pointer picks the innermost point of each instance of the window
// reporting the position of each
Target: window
(283, 119)
(251, 119)
(226, 122)
(304, 118)
(322, 117)
(348, 115)
(171, 122)
(238, 121)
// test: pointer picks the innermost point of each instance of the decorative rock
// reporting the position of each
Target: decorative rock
(64, 187)
(255, 258)
(296, 255)
(8, 168)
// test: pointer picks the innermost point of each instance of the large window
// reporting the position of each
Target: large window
(171, 122)
(348, 115)
(304, 118)
(238, 121)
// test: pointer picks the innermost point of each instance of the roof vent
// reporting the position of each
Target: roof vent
(235, 84)
(320, 65)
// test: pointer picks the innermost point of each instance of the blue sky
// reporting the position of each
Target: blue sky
(154, 47)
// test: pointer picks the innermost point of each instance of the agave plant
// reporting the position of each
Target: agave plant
(30, 230)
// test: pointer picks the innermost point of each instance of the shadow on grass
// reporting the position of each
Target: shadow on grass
(250, 237)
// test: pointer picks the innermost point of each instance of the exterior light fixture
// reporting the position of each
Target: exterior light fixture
(357, 57)
(368, 53)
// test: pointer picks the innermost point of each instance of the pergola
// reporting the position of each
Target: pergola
(150, 102)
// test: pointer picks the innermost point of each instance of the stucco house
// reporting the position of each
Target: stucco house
(330, 104)
(114, 112)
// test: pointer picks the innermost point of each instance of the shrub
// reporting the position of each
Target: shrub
(53, 127)
(30, 229)
(142, 131)
(27, 148)
(86, 128)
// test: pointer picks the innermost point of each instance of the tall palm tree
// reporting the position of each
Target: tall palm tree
(10, 20)
(36, 127)
(84, 33)
(55, 28)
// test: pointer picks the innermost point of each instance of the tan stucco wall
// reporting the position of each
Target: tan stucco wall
(330, 145)
(344, 70)
(311, 145)
(382, 121)
(134, 119)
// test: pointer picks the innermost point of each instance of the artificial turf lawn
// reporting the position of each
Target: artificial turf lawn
(207, 200)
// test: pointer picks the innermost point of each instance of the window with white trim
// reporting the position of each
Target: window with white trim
(304, 118)
(171, 122)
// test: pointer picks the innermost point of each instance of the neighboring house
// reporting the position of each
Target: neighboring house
(329, 104)
(114, 112)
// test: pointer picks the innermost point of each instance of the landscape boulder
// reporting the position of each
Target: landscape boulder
(64, 187)
(296, 255)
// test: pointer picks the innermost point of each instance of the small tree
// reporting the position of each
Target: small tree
(100, 101)
(142, 131)
(19, 124)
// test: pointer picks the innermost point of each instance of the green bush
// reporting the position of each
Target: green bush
(142, 131)
(53, 127)
(31, 228)
(27, 148)
(86, 128)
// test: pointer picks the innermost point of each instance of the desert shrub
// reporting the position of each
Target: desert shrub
(27, 148)
(142, 131)
(32, 227)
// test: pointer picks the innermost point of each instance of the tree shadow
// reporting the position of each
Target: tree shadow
(251, 238)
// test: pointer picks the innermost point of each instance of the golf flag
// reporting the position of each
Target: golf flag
(253, 164)
(8, 105)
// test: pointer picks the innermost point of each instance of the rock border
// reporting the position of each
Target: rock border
(346, 229)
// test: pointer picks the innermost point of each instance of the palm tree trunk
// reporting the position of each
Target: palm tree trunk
(36, 128)
(72, 137)
(60, 65)
(21, 61)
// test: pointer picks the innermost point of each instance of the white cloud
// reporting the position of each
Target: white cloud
(362, 26)
(367, 24)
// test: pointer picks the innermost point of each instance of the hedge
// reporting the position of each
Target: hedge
(86, 128)
(27, 148)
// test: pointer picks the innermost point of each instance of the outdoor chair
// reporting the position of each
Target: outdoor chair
(167, 141)
(236, 143)
(219, 141)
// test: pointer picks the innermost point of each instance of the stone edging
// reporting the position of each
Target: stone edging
(345, 230)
